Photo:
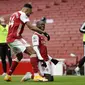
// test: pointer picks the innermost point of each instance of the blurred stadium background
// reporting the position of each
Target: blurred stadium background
(66, 40)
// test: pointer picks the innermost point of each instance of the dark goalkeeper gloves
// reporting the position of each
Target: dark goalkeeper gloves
(43, 63)
(54, 61)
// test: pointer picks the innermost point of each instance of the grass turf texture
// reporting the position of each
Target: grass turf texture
(58, 80)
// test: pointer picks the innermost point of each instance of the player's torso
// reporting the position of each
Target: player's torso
(15, 26)
(43, 47)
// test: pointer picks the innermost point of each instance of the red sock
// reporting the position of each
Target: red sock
(14, 65)
(32, 74)
(34, 62)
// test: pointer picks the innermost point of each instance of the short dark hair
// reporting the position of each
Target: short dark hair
(28, 5)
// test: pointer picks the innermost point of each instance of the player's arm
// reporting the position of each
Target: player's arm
(35, 43)
(53, 60)
(26, 20)
(82, 29)
(34, 28)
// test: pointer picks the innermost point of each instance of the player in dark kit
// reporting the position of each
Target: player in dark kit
(81, 62)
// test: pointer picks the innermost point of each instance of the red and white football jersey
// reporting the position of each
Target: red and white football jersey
(16, 25)
(39, 40)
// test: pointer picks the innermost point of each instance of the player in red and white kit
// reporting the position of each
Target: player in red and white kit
(39, 45)
(18, 45)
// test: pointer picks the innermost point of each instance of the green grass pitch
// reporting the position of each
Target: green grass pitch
(58, 80)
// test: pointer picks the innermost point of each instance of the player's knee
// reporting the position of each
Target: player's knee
(30, 51)
(33, 55)
(33, 52)
(19, 56)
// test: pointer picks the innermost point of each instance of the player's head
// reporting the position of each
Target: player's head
(41, 24)
(27, 9)
(2, 21)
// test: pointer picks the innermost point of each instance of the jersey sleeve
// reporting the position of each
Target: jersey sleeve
(35, 40)
(24, 18)
(37, 52)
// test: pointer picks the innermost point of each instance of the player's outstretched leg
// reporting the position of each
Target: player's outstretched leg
(13, 67)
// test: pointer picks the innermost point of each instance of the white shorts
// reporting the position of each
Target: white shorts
(19, 45)
(44, 70)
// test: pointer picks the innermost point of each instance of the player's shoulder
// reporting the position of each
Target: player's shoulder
(35, 36)
(15, 14)
(22, 14)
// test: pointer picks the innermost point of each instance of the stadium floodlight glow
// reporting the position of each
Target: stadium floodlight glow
(72, 55)
(49, 21)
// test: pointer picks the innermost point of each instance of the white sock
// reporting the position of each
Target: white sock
(77, 68)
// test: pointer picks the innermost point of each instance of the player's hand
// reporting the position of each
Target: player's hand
(47, 35)
(43, 63)
(20, 36)
(54, 61)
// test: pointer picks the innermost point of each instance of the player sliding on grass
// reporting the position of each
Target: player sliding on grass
(39, 45)
(18, 45)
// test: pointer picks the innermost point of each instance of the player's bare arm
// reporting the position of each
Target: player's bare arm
(34, 28)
